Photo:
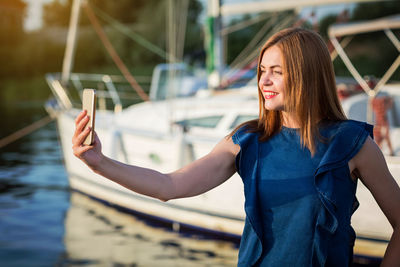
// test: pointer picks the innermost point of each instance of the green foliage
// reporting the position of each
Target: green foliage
(127, 11)
(35, 55)
(153, 20)
(367, 11)
(12, 14)
(21, 92)
(57, 13)
(194, 39)
(89, 53)
(324, 24)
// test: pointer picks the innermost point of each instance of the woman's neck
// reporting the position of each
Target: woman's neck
(289, 120)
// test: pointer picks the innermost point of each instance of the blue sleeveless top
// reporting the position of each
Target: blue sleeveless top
(298, 207)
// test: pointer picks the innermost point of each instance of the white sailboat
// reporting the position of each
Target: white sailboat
(165, 134)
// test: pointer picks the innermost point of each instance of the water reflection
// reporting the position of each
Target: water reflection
(34, 194)
(99, 235)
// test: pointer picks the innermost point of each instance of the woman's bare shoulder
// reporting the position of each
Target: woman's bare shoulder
(226, 144)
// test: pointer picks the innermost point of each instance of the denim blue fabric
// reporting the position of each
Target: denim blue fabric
(298, 207)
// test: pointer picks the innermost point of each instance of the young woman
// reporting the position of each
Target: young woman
(299, 162)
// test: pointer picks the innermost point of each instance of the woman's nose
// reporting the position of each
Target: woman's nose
(265, 79)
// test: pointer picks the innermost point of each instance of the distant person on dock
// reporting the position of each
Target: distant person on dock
(380, 106)
(299, 162)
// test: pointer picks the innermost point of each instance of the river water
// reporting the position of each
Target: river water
(44, 223)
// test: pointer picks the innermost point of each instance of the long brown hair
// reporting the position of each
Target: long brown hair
(309, 86)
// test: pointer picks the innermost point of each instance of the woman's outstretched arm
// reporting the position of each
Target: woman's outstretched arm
(193, 179)
(375, 175)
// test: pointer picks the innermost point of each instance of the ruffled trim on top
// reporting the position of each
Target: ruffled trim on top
(344, 143)
(247, 141)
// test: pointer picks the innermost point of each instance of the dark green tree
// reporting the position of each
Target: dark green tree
(57, 13)
(324, 24)
(367, 11)
(12, 15)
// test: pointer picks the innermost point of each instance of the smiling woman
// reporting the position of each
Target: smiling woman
(298, 162)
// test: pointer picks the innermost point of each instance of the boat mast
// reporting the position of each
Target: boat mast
(214, 43)
(71, 41)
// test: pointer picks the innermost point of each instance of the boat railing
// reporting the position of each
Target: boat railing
(340, 30)
(113, 91)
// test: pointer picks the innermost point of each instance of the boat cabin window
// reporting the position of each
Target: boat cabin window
(242, 118)
(164, 85)
(185, 83)
(204, 122)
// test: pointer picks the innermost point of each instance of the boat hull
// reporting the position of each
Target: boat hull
(219, 210)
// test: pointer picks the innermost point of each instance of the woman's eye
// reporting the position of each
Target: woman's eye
(278, 72)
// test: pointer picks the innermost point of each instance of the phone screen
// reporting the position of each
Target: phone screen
(89, 104)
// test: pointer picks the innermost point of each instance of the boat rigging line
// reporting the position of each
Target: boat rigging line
(115, 57)
(243, 24)
(249, 54)
(25, 131)
(129, 33)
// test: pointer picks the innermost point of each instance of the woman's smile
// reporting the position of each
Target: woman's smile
(269, 94)
(271, 81)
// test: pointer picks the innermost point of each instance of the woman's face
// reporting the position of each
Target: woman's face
(271, 81)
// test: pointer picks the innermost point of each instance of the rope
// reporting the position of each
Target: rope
(248, 56)
(25, 131)
(243, 57)
(182, 23)
(243, 24)
(110, 49)
(132, 35)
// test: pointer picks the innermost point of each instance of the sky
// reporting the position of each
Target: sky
(33, 19)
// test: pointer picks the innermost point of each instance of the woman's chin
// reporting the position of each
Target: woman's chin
(273, 108)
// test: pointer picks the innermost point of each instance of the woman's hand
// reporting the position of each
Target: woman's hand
(90, 155)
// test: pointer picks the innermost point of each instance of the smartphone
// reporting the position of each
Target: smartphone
(89, 104)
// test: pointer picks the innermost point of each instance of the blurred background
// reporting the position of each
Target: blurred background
(39, 215)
